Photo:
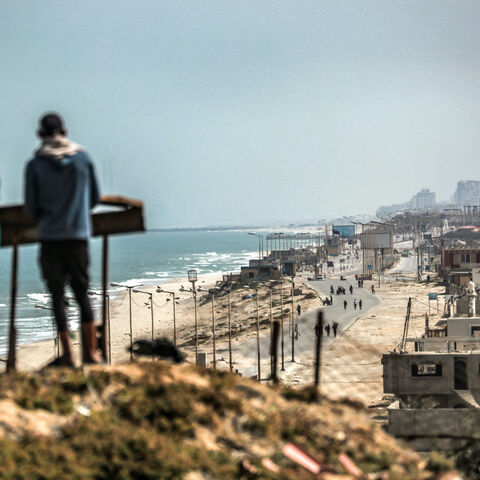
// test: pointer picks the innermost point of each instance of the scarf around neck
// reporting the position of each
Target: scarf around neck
(57, 147)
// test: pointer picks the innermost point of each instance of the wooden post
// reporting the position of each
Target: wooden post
(12, 342)
(105, 320)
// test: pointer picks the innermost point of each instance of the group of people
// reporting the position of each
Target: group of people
(319, 329)
(340, 290)
(355, 304)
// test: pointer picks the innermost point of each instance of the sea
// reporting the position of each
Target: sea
(150, 258)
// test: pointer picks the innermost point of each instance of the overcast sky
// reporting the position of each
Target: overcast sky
(226, 112)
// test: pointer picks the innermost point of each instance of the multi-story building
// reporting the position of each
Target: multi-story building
(437, 387)
(467, 192)
(423, 200)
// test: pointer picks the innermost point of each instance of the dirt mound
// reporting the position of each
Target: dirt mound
(159, 421)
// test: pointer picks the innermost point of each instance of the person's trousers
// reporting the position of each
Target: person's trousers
(66, 262)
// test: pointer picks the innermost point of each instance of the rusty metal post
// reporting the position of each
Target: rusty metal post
(105, 307)
(12, 342)
(274, 349)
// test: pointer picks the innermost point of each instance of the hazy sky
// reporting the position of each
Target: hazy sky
(221, 112)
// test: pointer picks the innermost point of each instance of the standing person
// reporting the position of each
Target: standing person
(354, 303)
(331, 300)
(60, 190)
(351, 290)
(344, 304)
(335, 327)
(373, 289)
(360, 304)
(299, 309)
(327, 329)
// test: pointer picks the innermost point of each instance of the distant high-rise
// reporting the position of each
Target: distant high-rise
(423, 199)
(467, 192)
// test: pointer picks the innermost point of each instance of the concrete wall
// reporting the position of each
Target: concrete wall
(440, 422)
(460, 327)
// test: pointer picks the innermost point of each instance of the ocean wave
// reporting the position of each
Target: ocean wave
(39, 297)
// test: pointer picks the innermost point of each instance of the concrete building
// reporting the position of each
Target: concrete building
(423, 200)
(467, 192)
(459, 259)
(438, 386)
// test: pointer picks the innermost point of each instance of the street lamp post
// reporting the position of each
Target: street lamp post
(192, 278)
(150, 296)
(230, 330)
(293, 320)
(92, 292)
(271, 326)
(129, 288)
(212, 292)
(160, 290)
(281, 323)
(260, 247)
(258, 335)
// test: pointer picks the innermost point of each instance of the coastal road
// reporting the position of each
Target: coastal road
(245, 354)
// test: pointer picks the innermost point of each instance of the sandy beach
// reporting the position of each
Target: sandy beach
(351, 363)
(243, 314)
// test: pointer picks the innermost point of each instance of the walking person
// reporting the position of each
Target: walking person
(334, 328)
(354, 303)
(299, 310)
(327, 329)
(60, 190)
(360, 304)
(344, 304)
(373, 289)
(351, 290)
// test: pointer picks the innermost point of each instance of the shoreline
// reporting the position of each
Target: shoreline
(33, 354)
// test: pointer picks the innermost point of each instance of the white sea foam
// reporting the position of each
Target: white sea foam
(2, 305)
(39, 297)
